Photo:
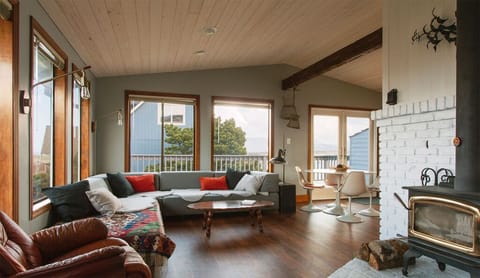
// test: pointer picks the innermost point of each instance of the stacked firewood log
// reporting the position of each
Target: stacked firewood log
(383, 254)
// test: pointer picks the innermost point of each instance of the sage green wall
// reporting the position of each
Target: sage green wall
(27, 9)
(252, 82)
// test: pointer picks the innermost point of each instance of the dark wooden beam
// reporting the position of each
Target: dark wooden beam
(367, 44)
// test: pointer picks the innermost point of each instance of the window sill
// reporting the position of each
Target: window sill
(40, 208)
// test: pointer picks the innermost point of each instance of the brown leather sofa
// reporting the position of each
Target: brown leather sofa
(77, 249)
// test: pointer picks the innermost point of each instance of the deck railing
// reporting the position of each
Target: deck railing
(151, 163)
(240, 162)
(325, 162)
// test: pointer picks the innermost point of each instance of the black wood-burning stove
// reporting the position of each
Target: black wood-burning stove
(444, 222)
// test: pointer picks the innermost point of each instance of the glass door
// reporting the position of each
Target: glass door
(341, 137)
(358, 142)
(326, 142)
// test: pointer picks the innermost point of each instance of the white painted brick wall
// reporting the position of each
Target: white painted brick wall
(404, 130)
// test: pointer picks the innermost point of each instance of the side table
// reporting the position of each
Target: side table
(287, 196)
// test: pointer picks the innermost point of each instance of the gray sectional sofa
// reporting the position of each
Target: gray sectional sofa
(167, 185)
(173, 204)
(176, 205)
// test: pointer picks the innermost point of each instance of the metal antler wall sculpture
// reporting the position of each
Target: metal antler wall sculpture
(438, 32)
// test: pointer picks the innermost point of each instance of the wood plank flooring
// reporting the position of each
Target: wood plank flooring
(292, 245)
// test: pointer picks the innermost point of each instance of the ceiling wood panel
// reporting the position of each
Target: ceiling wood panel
(123, 37)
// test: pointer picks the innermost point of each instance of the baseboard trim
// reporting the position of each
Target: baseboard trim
(301, 198)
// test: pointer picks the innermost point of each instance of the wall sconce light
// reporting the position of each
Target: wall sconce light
(118, 115)
(84, 88)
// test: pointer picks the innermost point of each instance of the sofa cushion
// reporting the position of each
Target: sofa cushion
(213, 183)
(104, 201)
(120, 185)
(99, 181)
(234, 176)
(182, 180)
(70, 201)
(250, 183)
(143, 183)
(270, 182)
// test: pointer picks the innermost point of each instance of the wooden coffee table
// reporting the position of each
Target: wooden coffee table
(210, 207)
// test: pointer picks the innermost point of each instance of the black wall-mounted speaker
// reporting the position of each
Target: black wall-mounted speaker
(392, 97)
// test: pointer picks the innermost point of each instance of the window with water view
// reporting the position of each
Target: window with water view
(341, 137)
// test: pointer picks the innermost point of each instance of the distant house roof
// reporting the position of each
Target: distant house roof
(360, 132)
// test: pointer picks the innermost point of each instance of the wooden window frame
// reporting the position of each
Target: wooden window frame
(240, 100)
(59, 121)
(196, 122)
(9, 38)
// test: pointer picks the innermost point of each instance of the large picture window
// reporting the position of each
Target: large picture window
(162, 132)
(241, 134)
(47, 116)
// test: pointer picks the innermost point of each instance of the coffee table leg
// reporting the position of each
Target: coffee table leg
(259, 220)
(252, 216)
(209, 222)
(205, 216)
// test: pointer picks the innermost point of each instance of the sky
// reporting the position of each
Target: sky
(325, 132)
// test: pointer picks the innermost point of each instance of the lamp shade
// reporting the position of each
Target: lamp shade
(287, 112)
(294, 123)
(280, 158)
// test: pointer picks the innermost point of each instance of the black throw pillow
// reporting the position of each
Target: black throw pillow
(70, 202)
(234, 176)
(120, 185)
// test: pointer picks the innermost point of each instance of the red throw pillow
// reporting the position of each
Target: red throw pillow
(143, 183)
(215, 183)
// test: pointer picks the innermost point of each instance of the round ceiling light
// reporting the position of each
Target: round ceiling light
(210, 30)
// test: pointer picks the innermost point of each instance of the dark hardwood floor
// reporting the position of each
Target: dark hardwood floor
(292, 245)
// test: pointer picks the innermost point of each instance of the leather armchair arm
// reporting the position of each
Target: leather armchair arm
(68, 236)
(108, 261)
(134, 264)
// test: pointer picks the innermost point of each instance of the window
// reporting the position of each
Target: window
(241, 134)
(341, 136)
(162, 132)
(42, 125)
(80, 131)
(47, 116)
(76, 137)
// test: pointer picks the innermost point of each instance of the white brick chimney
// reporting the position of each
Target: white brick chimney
(412, 136)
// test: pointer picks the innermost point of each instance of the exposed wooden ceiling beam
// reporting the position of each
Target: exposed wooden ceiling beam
(365, 45)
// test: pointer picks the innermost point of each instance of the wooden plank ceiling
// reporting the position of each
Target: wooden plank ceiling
(124, 37)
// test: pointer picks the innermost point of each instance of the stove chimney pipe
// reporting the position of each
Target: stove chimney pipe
(467, 164)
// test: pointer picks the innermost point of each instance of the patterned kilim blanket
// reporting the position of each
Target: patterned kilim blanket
(142, 230)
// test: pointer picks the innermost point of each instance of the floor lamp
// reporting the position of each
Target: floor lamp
(84, 88)
(280, 159)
